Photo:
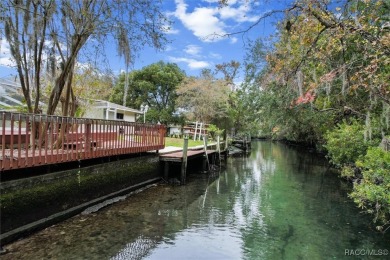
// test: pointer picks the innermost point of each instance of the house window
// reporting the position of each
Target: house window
(119, 116)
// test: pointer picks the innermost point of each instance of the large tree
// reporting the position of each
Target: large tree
(229, 71)
(53, 32)
(204, 98)
(90, 83)
(327, 61)
(154, 85)
(25, 25)
(326, 81)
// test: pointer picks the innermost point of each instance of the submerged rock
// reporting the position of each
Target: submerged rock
(174, 181)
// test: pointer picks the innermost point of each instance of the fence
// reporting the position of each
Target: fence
(29, 140)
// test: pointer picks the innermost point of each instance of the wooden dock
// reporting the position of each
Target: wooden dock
(243, 144)
(178, 156)
(183, 156)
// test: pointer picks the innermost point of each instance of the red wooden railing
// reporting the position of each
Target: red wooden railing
(29, 140)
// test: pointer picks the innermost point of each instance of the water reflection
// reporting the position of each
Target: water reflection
(276, 203)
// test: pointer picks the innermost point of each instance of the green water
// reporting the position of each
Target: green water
(276, 203)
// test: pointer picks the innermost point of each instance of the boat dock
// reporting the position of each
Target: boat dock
(184, 155)
(178, 156)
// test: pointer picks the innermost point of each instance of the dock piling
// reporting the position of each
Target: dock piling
(206, 163)
(219, 149)
(166, 170)
(184, 162)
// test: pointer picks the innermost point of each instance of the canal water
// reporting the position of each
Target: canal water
(278, 202)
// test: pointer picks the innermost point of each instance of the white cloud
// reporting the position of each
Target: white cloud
(170, 30)
(5, 55)
(238, 12)
(230, 2)
(209, 23)
(233, 40)
(193, 49)
(7, 60)
(215, 55)
(191, 63)
(203, 21)
(169, 48)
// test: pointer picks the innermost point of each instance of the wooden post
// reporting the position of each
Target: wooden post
(184, 162)
(207, 166)
(204, 164)
(200, 130)
(166, 170)
(213, 159)
(219, 149)
(196, 129)
(226, 150)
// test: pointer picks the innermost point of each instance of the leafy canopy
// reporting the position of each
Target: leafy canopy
(154, 85)
(203, 98)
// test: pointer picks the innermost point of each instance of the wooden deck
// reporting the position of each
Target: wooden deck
(178, 156)
(16, 159)
(185, 155)
(35, 140)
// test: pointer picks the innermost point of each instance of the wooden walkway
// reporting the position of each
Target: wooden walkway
(28, 140)
(178, 156)
(26, 158)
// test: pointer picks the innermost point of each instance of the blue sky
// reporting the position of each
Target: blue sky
(192, 45)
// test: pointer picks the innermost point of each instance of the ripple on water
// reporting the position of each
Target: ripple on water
(292, 209)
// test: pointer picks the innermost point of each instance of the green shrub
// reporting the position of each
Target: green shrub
(346, 144)
(372, 193)
(348, 172)
(214, 131)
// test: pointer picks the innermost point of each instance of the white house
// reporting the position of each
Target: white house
(174, 130)
(11, 97)
(101, 109)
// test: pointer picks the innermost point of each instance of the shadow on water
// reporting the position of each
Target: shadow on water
(277, 202)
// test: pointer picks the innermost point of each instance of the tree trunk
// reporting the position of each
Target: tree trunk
(67, 108)
(67, 102)
(68, 67)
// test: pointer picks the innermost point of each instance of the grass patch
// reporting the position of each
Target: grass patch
(178, 142)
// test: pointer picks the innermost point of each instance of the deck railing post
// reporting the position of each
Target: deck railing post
(19, 139)
(12, 141)
(2, 140)
(87, 146)
(143, 135)
(163, 132)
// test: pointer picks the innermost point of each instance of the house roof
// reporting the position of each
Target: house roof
(10, 96)
(10, 93)
(106, 104)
